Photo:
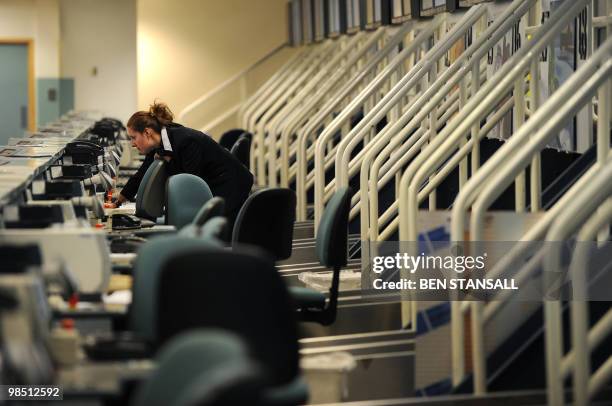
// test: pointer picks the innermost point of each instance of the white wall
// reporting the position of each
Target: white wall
(187, 48)
(37, 20)
(100, 35)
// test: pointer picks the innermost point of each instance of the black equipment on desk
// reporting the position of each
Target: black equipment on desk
(125, 222)
(77, 171)
(32, 216)
(126, 244)
(151, 195)
(59, 189)
(17, 258)
(83, 152)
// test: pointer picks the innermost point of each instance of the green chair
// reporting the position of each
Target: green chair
(332, 252)
(151, 194)
(187, 194)
(266, 220)
(216, 228)
(146, 272)
(212, 208)
(183, 283)
(203, 367)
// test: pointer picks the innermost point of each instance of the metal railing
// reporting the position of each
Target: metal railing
(457, 82)
(501, 169)
(363, 101)
(437, 115)
(239, 78)
(418, 80)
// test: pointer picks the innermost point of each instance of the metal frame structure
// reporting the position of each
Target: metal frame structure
(499, 171)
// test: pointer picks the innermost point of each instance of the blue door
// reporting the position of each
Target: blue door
(13, 91)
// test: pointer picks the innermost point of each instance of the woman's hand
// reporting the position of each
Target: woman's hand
(115, 202)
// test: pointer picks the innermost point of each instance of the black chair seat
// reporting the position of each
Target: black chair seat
(306, 298)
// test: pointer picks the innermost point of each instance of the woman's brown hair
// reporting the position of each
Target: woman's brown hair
(158, 116)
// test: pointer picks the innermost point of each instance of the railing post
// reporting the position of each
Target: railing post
(518, 117)
(536, 164)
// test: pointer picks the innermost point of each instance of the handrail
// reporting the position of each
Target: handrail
(528, 240)
(281, 97)
(372, 164)
(271, 84)
(340, 95)
(401, 88)
(523, 145)
(579, 306)
(478, 107)
(268, 96)
(445, 143)
(290, 125)
(294, 114)
(571, 219)
(413, 78)
(328, 64)
(361, 99)
(208, 95)
(429, 101)
(285, 89)
(333, 104)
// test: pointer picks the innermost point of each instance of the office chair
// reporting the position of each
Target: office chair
(332, 252)
(186, 195)
(216, 228)
(184, 283)
(213, 208)
(241, 150)
(229, 138)
(203, 367)
(149, 208)
(151, 194)
(266, 220)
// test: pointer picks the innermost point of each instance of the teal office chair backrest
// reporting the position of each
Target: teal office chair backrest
(216, 229)
(332, 235)
(151, 195)
(186, 195)
(183, 283)
(203, 367)
(151, 256)
(212, 208)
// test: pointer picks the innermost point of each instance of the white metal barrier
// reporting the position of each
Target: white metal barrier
(326, 84)
(416, 80)
(454, 82)
(499, 171)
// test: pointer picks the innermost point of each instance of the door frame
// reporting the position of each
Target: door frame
(29, 43)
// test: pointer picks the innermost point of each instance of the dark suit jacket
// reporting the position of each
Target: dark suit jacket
(196, 153)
